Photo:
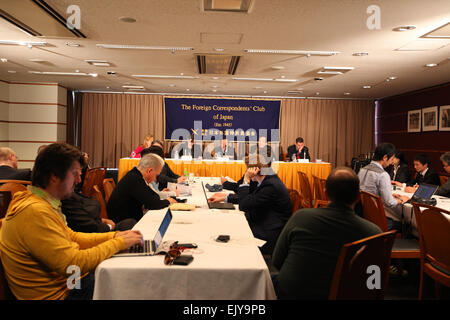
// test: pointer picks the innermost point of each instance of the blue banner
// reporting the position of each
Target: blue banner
(211, 118)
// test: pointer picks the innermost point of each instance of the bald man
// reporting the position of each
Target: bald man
(8, 166)
(309, 246)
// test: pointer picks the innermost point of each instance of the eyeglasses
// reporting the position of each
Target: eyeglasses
(173, 253)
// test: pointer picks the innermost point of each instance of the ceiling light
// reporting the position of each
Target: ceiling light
(295, 52)
(64, 73)
(265, 91)
(392, 78)
(361, 54)
(124, 46)
(431, 65)
(132, 87)
(404, 28)
(330, 72)
(188, 89)
(278, 67)
(36, 60)
(23, 43)
(215, 78)
(219, 49)
(367, 87)
(4, 60)
(346, 93)
(12, 71)
(73, 44)
(317, 93)
(98, 63)
(127, 19)
(214, 90)
(266, 79)
(171, 85)
(163, 76)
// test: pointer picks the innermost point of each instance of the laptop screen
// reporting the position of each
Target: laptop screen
(206, 197)
(425, 191)
(163, 228)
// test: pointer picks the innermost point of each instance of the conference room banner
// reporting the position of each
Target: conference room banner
(211, 118)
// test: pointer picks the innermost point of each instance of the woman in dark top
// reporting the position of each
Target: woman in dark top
(399, 170)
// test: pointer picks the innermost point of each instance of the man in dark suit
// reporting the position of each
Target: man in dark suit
(132, 196)
(8, 166)
(263, 149)
(307, 250)
(189, 148)
(268, 207)
(298, 150)
(225, 150)
(424, 173)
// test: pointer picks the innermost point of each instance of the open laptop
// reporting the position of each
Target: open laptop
(150, 247)
(217, 205)
(424, 192)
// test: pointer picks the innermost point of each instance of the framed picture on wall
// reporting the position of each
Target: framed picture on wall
(444, 118)
(414, 120)
(430, 119)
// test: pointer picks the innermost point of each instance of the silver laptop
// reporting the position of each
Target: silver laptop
(150, 247)
(217, 205)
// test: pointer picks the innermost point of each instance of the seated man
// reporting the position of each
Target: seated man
(307, 250)
(374, 179)
(263, 149)
(8, 166)
(166, 175)
(268, 207)
(225, 150)
(38, 251)
(424, 173)
(189, 148)
(132, 197)
(298, 150)
(83, 215)
(444, 190)
(232, 186)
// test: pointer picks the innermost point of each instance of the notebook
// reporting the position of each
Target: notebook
(150, 247)
(217, 205)
(424, 191)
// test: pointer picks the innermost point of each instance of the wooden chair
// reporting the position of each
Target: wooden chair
(5, 292)
(108, 187)
(24, 182)
(321, 203)
(12, 187)
(93, 177)
(305, 190)
(99, 197)
(319, 188)
(5, 199)
(350, 280)
(296, 200)
(433, 226)
(373, 210)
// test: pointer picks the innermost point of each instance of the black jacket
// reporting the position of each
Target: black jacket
(166, 175)
(194, 152)
(304, 154)
(267, 209)
(10, 173)
(403, 175)
(234, 186)
(431, 177)
(130, 196)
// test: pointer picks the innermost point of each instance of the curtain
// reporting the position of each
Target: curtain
(334, 130)
(73, 133)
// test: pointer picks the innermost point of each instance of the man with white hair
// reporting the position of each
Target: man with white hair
(8, 166)
(132, 196)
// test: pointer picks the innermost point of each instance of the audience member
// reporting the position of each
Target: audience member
(132, 197)
(298, 150)
(166, 175)
(444, 190)
(399, 170)
(424, 173)
(268, 207)
(308, 248)
(36, 246)
(8, 166)
(148, 140)
(374, 179)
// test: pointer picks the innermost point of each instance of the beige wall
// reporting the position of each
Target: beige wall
(31, 114)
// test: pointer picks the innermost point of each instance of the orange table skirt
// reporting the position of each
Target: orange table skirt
(287, 171)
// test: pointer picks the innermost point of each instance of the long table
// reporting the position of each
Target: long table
(220, 271)
(235, 169)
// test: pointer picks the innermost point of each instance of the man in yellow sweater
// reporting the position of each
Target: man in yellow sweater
(40, 254)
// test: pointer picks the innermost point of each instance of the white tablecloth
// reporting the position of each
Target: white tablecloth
(234, 270)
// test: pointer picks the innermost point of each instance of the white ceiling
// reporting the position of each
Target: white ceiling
(317, 25)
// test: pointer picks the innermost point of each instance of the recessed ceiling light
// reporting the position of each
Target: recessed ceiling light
(12, 71)
(108, 87)
(132, 87)
(127, 19)
(277, 67)
(125, 46)
(214, 90)
(188, 89)
(219, 49)
(63, 73)
(294, 52)
(4, 60)
(171, 85)
(24, 43)
(431, 65)
(367, 87)
(265, 91)
(392, 78)
(36, 60)
(317, 93)
(361, 54)
(215, 78)
(404, 28)
(346, 93)
(266, 79)
(162, 76)
(72, 44)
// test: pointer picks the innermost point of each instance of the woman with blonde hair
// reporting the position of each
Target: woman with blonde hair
(147, 143)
